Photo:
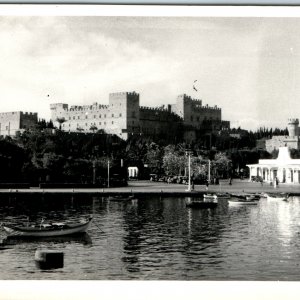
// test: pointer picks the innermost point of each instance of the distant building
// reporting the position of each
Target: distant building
(284, 168)
(124, 116)
(13, 122)
(291, 141)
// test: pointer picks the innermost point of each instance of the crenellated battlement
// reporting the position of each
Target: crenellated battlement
(124, 116)
(196, 103)
(293, 121)
(93, 107)
(124, 94)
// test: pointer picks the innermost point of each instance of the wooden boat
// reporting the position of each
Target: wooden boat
(254, 197)
(223, 196)
(48, 230)
(120, 198)
(216, 196)
(245, 196)
(240, 201)
(210, 197)
(277, 196)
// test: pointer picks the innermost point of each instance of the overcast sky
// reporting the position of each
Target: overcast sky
(247, 66)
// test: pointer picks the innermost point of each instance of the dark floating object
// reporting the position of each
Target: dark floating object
(49, 259)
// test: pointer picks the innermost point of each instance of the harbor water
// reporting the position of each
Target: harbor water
(153, 238)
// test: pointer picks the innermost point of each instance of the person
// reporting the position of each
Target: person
(230, 181)
(207, 183)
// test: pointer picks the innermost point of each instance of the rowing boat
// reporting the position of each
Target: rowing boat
(242, 201)
(277, 197)
(48, 230)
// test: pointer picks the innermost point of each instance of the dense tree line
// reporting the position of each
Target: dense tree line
(46, 154)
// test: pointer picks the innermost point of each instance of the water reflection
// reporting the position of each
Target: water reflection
(160, 238)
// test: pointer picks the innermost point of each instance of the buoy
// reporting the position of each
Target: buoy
(49, 259)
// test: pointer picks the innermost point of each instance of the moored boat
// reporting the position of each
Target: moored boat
(277, 196)
(223, 196)
(48, 230)
(254, 197)
(210, 197)
(242, 201)
(216, 196)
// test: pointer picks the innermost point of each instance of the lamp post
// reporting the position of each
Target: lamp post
(208, 176)
(188, 152)
(94, 171)
(108, 173)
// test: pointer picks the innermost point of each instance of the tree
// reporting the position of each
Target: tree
(60, 121)
(154, 158)
(93, 128)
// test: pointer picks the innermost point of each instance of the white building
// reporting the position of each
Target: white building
(284, 168)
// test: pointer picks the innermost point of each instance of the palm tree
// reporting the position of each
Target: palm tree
(93, 128)
(60, 121)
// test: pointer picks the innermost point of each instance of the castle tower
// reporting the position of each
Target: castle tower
(293, 127)
(125, 112)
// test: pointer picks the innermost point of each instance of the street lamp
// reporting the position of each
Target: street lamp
(108, 173)
(188, 152)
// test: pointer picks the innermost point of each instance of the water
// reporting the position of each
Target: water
(159, 239)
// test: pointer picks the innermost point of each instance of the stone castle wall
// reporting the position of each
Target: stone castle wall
(159, 121)
(194, 113)
(13, 122)
(123, 116)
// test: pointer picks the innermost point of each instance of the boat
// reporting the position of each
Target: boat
(254, 197)
(241, 201)
(277, 196)
(239, 196)
(223, 196)
(245, 196)
(120, 198)
(216, 196)
(48, 230)
(202, 203)
(210, 197)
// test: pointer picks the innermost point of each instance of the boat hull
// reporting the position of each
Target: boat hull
(277, 197)
(242, 202)
(13, 231)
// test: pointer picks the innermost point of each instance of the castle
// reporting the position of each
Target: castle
(13, 122)
(124, 116)
(291, 141)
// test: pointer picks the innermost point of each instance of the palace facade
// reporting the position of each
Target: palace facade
(124, 116)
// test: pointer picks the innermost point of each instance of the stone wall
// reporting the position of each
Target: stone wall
(194, 113)
(123, 116)
(13, 122)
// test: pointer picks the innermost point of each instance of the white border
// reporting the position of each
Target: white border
(133, 290)
(148, 10)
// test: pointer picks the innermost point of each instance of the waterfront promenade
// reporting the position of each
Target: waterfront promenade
(148, 187)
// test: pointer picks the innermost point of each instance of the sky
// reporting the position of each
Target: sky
(247, 66)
